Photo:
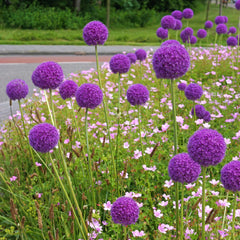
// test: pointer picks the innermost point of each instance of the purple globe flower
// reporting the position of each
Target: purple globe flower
(48, 75)
(183, 36)
(162, 33)
(132, 57)
(202, 33)
(207, 147)
(89, 95)
(141, 54)
(225, 19)
(168, 22)
(199, 111)
(221, 28)
(186, 34)
(95, 33)
(182, 86)
(67, 89)
(171, 61)
(177, 14)
(170, 42)
(232, 41)
(119, 63)
(193, 40)
(208, 24)
(187, 13)
(178, 25)
(188, 31)
(125, 211)
(237, 5)
(43, 137)
(137, 94)
(207, 116)
(232, 30)
(183, 169)
(193, 91)
(230, 176)
(17, 89)
(219, 20)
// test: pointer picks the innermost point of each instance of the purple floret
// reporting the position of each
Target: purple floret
(219, 20)
(162, 33)
(17, 89)
(230, 176)
(170, 42)
(183, 169)
(187, 13)
(171, 61)
(125, 211)
(237, 5)
(119, 63)
(207, 116)
(208, 24)
(193, 91)
(225, 19)
(182, 86)
(132, 57)
(232, 30)
(168, 22)
(137, 94)
(177, 14)
(193, 40)
(141, 54)
(67, 89)
(178, 25)
(48, 75)
(221, 28)
(95, 33)
(199, 111)
(207, 147)
(43, 137)
(89, 95)
(202, 33)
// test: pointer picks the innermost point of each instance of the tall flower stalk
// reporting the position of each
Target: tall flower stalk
(203, 201)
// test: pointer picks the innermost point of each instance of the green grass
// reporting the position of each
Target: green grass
(123, 36)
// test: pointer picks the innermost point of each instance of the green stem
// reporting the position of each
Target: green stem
(234, 213)
(224, 214)
(182, 202)
(125, 233)
(140, 129)
(49, 109)
(203, 201)
(52, 107)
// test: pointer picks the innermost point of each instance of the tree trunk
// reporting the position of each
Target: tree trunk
(220, 8)
(208, 7)
(216, 2)
(77, 5)
(108, 13)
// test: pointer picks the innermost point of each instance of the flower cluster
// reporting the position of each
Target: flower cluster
(193, 91)
(17, 89)
(67, 89)
(162, 33)
(119, 63)
(137, 94)
(141, 54)
(168, 22)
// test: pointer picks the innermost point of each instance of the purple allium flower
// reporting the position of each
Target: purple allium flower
(193, 40)
(230, 176)
(183, 36)
(188, 31)
(207, 147)
(162, 33)
(221, 28)
(186, 34)
(225, 19)
(171, 61)
(48, 75)
(193, 91)
(17, 89)
(207, 116)
(141, 54)
(89, 95)
(237, 5)
(95, 33)
(199, 111)
(208, 24)
(170, 42)
(183, 169)
(178, 25)
(202, 33)
(232, 41)
(232, 30)
(177, 14)
(132, 57)
(125, 211)
(43, 137)
(219, 20)
(182, 86)
(67, 89)
(187, 13)
(119, 63)
(137, 94)
(168, 22)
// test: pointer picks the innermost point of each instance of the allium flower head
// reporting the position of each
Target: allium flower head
(178, 25)
(232, 41)
(171, 61)
(67, 89)
(162, 33)
(137, 94)
(168, 22)
(177, 14)
(237, 5)
(141, 54)
(183, 169)
(132, 57)
(219, 19)
(202, 33)
(95, 33)
(193, 40)
(89, 95)
(119, 63)
(230, 176)
(225, 19)
(186, 34)
(125, 211)
(199, 111)
(17, 89)
(207, 147)
(182, 86)
(43, 137)
(170, 42)
(232, 30)
(208, 24)
(48, 75)
(193, 91)
(221, 28)
(207, 116)
(187, 13)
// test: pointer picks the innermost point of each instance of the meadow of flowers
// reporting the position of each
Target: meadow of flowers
(143, 147)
